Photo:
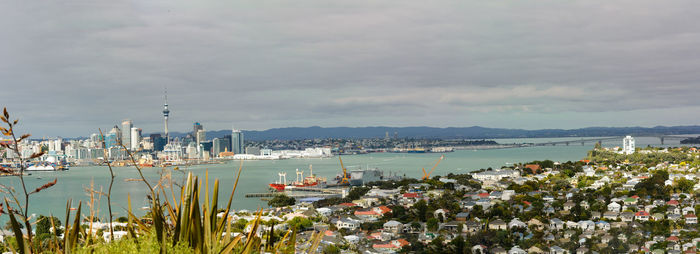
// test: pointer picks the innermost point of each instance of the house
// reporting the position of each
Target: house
(479, 249)
(498, 225)
(569, 205)
(516, 250)
(499, 250)
(610, 215)
(462, 216)
(614, 207)
(586, 225)
(691, 219)
(393, 227)
(627, 216)
(582, 250)
(642, 216)
(472, 227)
(687, 210)
(535, 250)
(557, 250)
(556, 224)
(348, 223)
(515, 223)
(602, 225)
(534, 223)
(440, 212)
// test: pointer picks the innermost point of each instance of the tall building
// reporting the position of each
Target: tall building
(201, 136)
(628, 145)
(196, 127)
(237, 143)
(135, 138)
(126, 133)
(159, 142)
(166, 113)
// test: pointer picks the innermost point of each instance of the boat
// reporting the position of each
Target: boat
(41, 167)
(310, 181)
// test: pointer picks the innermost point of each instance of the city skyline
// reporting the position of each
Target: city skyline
(71, 69)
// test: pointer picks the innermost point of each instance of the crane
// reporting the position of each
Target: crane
(345, 178)
(427, 175)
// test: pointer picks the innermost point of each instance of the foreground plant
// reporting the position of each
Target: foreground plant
(16, 210)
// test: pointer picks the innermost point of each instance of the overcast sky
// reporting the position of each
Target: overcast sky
(70, 67)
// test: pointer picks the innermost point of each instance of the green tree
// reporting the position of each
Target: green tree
(432, 224)
(281, 200)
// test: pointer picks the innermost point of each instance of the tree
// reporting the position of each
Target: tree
(357, 192)
(331, 249)
(281, 200)
(300, 223)
(432, 224)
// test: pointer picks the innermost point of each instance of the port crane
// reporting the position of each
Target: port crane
(345, 178)
(427, 175)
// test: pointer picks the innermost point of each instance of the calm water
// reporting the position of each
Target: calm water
(257, 174)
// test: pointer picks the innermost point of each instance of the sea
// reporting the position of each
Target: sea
(76, 184)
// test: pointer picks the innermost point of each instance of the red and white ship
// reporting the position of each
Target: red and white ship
(310, 181)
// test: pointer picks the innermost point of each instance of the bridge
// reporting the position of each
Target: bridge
(583, 141)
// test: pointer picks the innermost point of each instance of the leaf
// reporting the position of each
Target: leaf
(4, 112)
(36, 155)
(18, 231)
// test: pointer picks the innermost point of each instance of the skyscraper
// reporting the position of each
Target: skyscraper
(628, 145)
(126, 133)
(135, 138)
(196, 127)
(201, 136)
(237, 144)
(166, 113)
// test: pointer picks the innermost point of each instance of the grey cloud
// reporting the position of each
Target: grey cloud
(71, 67)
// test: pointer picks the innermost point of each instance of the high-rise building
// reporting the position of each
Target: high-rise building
(159, 142)
(135, 138)
(196, 127)
(166, 113)
(201, 136)
(237, 143)
(126, 133)
(628, 145)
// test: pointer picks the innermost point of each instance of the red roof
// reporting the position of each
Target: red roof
(690, 215)
(348, 204)
(672, 238)
(384, 209)
(484, 194)
(365, 212)
(672, 202)
(641, 213)
(634, 197)
(527, 203)
(533, 167)
(402, 242)
(411, 195)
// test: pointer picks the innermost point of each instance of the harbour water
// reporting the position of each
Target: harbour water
(72, 184)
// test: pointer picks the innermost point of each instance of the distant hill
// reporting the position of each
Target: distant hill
(474, 132)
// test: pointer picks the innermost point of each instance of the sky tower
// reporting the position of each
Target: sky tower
(166, 112)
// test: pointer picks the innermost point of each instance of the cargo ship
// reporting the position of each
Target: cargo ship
(310, 181)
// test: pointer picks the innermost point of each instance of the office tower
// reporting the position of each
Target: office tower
(197, 126)
(159, 142)
(126, 133)
(237, 144)
(135, 138)
(628, 145)
(216, 147)
(117, 136)
(201, 136)
(227, 139)
(111, 139)
(166, 113)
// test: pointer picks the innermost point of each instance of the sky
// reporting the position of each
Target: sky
(68, 68)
